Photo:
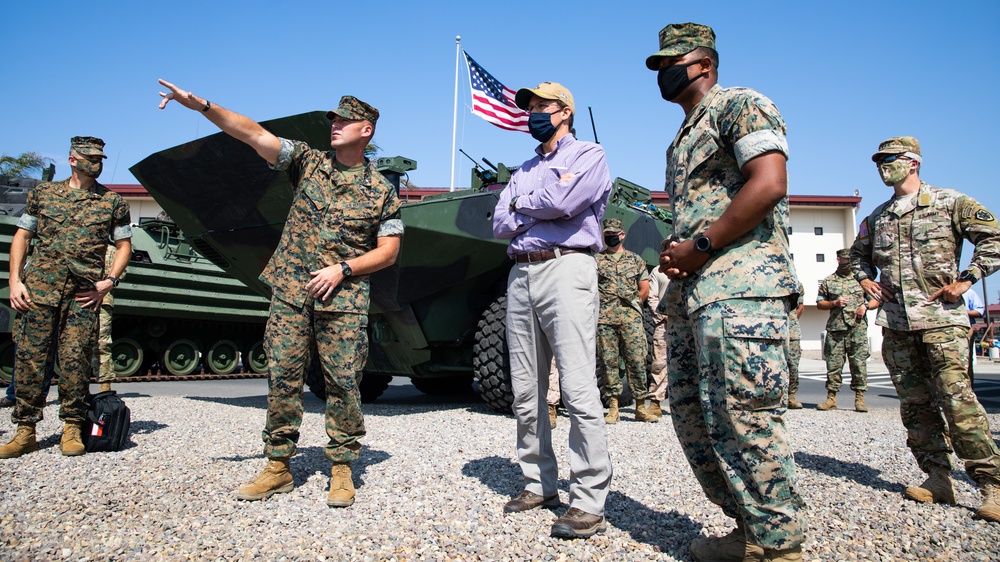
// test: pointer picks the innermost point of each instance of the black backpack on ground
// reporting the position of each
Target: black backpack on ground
(108, 421)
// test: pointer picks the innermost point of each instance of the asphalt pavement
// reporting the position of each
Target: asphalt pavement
(812, 391)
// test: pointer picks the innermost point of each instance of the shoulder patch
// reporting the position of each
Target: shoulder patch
(863, 229)
(982, 215)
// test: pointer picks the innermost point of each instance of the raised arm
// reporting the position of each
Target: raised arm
(239, 127)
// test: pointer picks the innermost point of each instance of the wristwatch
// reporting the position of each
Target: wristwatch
(968, 275)
(704, 245)
(346, 269)
(114, 281)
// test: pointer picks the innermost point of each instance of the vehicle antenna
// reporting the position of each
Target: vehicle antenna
(592, 125)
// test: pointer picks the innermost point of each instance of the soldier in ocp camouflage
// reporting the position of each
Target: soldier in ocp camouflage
(70, 224)
(623, 283)
(795, 345)
(343, 225)
(846, 332)
(731, 278)
(912, 245)
(102, 363)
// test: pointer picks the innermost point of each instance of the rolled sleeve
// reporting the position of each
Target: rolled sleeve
(121, 232)
(391, 227)
(28, 223)
(284, 156)
(760, 142)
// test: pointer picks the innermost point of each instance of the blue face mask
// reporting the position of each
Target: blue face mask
(540, 126)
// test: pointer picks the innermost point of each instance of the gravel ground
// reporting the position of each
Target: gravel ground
(431, 483)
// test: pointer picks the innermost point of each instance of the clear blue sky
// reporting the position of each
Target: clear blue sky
(845, 75)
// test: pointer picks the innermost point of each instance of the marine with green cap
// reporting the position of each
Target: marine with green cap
(907, 256)
(343, 225)
(58, 292)
(729, 299)
(623, 282)
(846, 332)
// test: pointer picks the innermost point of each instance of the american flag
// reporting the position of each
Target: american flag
(493, 101)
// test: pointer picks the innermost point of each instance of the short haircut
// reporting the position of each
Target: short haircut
(709, 52)
(572, 113)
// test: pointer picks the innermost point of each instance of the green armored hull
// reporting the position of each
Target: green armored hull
(431, 311)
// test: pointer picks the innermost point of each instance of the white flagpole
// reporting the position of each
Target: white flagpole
(454, 120)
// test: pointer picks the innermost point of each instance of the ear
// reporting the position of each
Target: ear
(704, 65)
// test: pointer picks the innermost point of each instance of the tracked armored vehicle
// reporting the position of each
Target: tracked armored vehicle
(436, 316)
(175, 312)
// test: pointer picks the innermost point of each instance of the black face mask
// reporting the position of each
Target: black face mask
(540, 126)
(673, 79)
(611, 240)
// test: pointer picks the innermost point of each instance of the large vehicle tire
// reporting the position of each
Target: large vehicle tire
(127, 357)
(371, 386)
(490, 359)
(181, 357)
(458, 385)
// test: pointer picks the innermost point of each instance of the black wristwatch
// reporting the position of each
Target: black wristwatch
(968, 275)
(346, 269)
(114, 281)
(704, 245)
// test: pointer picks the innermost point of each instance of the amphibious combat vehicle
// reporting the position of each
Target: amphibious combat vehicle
(436, 316)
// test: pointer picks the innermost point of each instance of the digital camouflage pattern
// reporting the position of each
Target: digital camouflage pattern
(336, 215)
(87, 146)
(727, 388)
(354, 109)
(658, 367)
(846, 335)
(924, 365)
(72, 229)
(914, 247)
(795, 340)
(341, 343)
(620, 329)
(679, 39)
(843, 318)
(728, 128)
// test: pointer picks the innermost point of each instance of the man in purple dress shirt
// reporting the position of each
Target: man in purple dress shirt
(551, 212)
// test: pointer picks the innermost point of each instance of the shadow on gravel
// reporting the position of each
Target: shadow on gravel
(311, 460)
(860, 473)
(669, 531)
(256, 402)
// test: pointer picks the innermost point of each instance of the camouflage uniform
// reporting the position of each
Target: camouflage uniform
(337, 214)
(102, 364)
(724, 401)
(795, 341)
(620, 328)
(72, 229)
(658, 368)
(915, 244)
(846, 335)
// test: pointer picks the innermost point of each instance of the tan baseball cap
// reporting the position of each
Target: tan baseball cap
(545, 90)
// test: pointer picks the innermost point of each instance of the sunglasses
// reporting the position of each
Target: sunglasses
(891, 158)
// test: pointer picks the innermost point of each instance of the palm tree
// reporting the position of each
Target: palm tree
(28, 164)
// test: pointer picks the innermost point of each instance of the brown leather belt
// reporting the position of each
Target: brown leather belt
(545, 255)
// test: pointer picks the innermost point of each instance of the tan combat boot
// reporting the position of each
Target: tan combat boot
(654, 409)
(612, 416)
(831, 402)
(793, 404)
(22, 443)
(552, 415)
(276, 478)
(71, 444)
(732, 547)
(990, 509)
(859, 402)
(105, 386)
(642, 414)
(341, 486)
(788, 554)
(937, 488)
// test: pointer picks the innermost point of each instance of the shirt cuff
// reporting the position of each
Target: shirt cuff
(391, 227)
(759, 142)
(28, 223)
(284, 156)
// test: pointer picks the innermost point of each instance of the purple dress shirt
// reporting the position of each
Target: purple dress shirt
(559, 199)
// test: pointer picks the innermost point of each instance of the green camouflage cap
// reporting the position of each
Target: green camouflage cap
(87, 146)
(613, 225)
(680, 39)
(354, 109)
(898, 145)
(844, 254)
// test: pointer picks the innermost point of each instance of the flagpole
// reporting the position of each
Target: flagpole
(454, 120)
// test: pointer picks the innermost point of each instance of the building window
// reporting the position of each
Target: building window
(820, 258)
(789, 230)
(818, 230)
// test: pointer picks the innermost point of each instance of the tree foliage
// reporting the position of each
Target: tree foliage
(28, 164)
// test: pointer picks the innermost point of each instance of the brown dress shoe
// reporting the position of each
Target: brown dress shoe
(528, 500)
(578, 524)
